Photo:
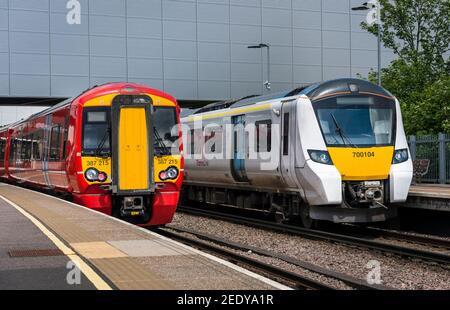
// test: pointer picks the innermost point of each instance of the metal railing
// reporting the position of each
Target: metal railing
(435, 148)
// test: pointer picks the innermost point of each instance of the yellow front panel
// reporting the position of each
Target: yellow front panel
(356, 164)
(133, 149)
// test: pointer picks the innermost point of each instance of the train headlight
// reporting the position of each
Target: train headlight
(321, 157)
(163, 175)
(172, 173)
(102, 177)
(91, 174)
(169, 173)
(400, 156)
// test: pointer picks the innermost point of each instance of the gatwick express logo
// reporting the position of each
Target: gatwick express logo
(73, 16)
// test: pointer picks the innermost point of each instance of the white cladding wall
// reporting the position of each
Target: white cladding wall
(193, 49)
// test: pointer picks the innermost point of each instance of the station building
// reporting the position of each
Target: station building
(196, 50)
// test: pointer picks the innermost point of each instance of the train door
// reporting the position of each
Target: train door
(239, 149)
(132, 146)
(288, 138)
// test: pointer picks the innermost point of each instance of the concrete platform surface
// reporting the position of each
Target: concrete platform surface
(430, 190)
(109, 253)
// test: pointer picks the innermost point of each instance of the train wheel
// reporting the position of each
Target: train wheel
(306, 220)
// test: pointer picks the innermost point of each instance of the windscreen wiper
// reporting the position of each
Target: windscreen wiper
(101, 144)
(341, 132)
(161, 144)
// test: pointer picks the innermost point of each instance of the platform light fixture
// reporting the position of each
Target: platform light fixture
(374, 5)
(260, 46)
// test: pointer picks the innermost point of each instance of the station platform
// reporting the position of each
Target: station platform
(429, 196)
(430, 190)
(50, 243)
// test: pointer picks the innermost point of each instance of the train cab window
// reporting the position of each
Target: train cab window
(96, 131)
(55, 139)
(263, 136)
(166, 131)
(286, 134)
(362, 121)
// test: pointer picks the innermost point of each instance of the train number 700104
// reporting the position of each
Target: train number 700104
(363, 154)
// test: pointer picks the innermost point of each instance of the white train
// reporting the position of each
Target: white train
(334, 151)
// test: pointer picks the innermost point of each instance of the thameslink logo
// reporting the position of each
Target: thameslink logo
(73, 17)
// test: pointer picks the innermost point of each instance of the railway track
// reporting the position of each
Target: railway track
(299, 281)
(383, 233)
(364, 241)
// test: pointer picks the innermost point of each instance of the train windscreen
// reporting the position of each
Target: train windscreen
(166, 131)
(96, 131)
(356, 121)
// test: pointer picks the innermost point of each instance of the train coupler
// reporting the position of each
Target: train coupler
(132, 206)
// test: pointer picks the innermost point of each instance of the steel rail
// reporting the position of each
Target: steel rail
(326, 236)
(301, 282)
(349, 280)
(401, 236)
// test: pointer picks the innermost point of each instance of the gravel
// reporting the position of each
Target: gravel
(396, 271)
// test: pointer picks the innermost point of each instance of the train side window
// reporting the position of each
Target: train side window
(192, 141)
(26, 149)
(213, 140)
(18, 148)
(2, 149)
(263, 136)
(12, 149)
(37, 145)
(55, 151)
(286, 134)
(66, 134)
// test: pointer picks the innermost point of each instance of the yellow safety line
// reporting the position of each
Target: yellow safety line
(95, 279)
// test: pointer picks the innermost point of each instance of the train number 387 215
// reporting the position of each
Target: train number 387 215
(363, 154)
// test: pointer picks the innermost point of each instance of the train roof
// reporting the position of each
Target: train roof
(314, 91)
(95, 91)
(345, 86)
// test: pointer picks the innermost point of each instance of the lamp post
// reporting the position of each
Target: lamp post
(375, 8)
(263, 45)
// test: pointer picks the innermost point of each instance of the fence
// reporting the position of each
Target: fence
(435, 148)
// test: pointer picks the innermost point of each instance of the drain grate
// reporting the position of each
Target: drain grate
(35, 253)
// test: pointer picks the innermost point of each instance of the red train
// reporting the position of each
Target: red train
(115, 148)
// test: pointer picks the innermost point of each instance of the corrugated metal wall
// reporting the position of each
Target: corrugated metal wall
(193, 49)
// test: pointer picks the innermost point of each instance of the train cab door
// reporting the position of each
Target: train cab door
(132, 145)
(239, 149)
(288, 138)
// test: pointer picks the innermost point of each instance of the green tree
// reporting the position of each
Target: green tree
(418, 32)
